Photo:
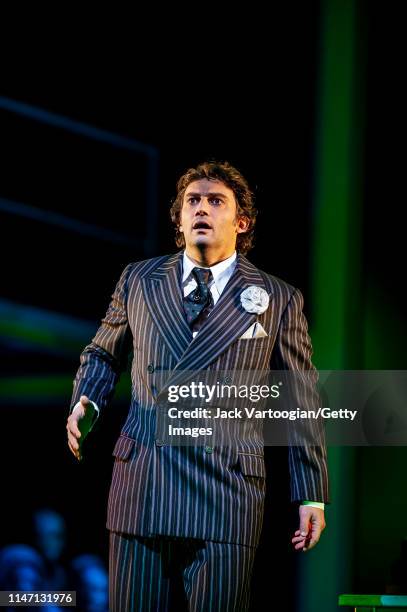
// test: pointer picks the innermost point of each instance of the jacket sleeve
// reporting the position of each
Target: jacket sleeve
(105, 358)
(307, 453)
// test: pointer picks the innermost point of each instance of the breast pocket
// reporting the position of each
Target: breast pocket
(253, 353)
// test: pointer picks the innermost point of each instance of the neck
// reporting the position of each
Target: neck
(206, 259)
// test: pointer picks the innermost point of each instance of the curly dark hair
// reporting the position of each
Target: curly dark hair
(232, 178)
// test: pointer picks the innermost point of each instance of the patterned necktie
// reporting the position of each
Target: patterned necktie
(199, 303)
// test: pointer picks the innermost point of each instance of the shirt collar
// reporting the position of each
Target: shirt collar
(217, 270)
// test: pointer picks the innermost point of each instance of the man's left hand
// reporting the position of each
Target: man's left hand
(312, 523)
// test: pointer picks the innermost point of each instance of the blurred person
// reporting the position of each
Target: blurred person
(50, 540)
(91, 583)
(21, 568)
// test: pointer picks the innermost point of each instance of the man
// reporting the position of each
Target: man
(193, 514)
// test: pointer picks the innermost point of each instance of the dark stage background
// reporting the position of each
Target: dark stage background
(91, 150)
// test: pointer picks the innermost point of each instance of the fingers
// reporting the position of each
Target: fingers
(312, 523)
(304, 523)
(302, 535)
(317, 528)
(74, 436)
(315, 535)
(73, 444)
(78, 425)
(74, 450)
(299, 541)
(72, 425)
(297, 536)
(77, 454)
(73, 440)
(299, 545)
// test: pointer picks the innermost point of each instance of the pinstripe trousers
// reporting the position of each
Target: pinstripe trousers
(160, 574)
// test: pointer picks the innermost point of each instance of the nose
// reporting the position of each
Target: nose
(202, 207)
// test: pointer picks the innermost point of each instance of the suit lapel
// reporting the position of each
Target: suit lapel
(225, 324)
(163, 297)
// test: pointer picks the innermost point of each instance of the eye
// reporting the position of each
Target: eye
(192, 200)
(215, 201)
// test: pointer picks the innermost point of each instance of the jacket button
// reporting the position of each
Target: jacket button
(159, 443)
(150, 367)
(227, 380)
(208, 449)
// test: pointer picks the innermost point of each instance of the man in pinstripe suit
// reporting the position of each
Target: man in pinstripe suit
(185, 521)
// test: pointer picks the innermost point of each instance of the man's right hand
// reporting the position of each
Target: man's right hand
(78, 425)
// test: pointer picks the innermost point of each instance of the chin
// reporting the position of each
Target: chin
(201, 241)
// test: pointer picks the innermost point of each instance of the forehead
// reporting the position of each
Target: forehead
(206, 187)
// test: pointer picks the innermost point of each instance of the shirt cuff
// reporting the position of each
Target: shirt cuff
(320, 505)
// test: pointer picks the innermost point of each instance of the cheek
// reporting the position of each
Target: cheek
(182, 218)
(230, 225)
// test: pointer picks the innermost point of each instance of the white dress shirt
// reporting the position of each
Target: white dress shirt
(221, 273)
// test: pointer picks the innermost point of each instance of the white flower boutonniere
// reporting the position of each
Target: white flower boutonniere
(255, 299)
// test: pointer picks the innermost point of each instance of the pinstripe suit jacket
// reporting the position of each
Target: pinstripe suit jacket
(182, 490)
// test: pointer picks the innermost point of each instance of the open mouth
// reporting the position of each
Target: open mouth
(201, 225)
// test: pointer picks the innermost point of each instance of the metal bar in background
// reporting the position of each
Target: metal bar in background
(67, 223)
(77, 127)
(107, 137)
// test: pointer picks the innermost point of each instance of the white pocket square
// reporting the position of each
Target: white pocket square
(255, 331)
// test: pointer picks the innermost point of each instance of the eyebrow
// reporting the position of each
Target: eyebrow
(210, 193)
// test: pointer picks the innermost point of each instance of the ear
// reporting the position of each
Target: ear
(242, 224)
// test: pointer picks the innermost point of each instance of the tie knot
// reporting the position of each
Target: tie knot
(202, 275)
